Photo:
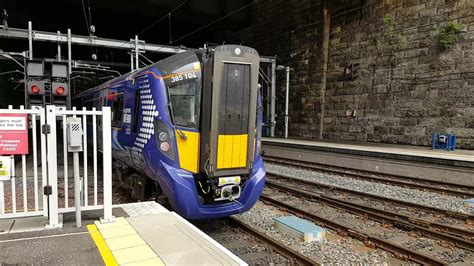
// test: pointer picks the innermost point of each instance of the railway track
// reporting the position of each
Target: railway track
(416, 214)
(459, 190)
(351, 219)
(251, 245)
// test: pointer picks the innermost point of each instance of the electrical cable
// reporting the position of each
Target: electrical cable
(90, 15)
(207, 25)
(157, 21)
(163, 17)
(11, 58)
(151, 62)
(215, 21)
(85, 16)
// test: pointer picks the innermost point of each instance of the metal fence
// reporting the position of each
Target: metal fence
(46, 186)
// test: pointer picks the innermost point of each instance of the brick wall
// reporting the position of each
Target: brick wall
(405, 86)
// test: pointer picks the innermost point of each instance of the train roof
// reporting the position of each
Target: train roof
(137, 72)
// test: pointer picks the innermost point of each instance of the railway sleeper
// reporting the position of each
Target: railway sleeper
(460, 242)
(399, 251)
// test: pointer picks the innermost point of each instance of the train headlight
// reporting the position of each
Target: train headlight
(163, 136)
(165, 146)
(165, 139)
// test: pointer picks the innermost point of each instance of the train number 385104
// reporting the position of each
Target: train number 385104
(191, 75)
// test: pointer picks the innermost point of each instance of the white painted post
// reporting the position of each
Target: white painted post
(52, 168)
(44, 166)
(12, 179)
(23, 175)
(13, 182)
(77, 190)
(65, 167)
(35, 160)
(107, 164)
(25, 188)
(84, 178)
(2, 198)
(94, 152)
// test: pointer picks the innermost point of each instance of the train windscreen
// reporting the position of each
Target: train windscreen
(185, 103)
(182, 78)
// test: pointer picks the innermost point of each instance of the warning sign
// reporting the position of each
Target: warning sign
(13, 134)
(5, 168)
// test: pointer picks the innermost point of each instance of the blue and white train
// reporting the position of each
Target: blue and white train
(191, 123)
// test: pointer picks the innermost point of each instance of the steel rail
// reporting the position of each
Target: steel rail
(285, 251)
(366, 175)
(399, 251)
(448, 213)
(375, 214)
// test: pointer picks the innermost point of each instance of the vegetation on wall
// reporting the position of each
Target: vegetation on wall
(449, 35)
(389, 30)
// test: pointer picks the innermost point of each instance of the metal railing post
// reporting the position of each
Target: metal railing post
(52, 167)
(77, 190)
(107, 164)
(2, 198)
(44, 163)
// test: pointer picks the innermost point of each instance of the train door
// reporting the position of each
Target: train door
(233, 116)
(230, 99)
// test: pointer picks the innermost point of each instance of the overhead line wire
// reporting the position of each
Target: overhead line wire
(85, 16)
(207, 25)
(214, 22)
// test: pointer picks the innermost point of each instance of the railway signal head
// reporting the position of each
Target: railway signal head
(35, 87)
(60, 89)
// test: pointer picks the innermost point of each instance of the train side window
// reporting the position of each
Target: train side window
(116, 104)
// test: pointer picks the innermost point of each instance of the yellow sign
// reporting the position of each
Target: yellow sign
(5, 166)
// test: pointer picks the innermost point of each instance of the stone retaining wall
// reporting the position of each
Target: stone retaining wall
(404, 86)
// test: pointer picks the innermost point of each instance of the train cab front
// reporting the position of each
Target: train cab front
(213, 109)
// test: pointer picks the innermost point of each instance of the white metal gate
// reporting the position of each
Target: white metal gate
(49, 159)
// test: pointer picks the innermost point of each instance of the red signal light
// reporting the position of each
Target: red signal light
(35, 89)
(60, 90)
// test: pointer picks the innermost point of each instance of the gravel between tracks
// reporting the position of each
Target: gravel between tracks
(341, 251)
(407, 194)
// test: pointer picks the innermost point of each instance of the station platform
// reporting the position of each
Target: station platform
(393, 159)
(143, 234)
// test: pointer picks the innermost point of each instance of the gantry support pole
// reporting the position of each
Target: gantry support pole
(326, 31)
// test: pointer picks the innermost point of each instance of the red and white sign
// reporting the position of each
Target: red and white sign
(13, 134)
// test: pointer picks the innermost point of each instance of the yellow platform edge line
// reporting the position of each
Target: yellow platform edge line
(104, 250)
